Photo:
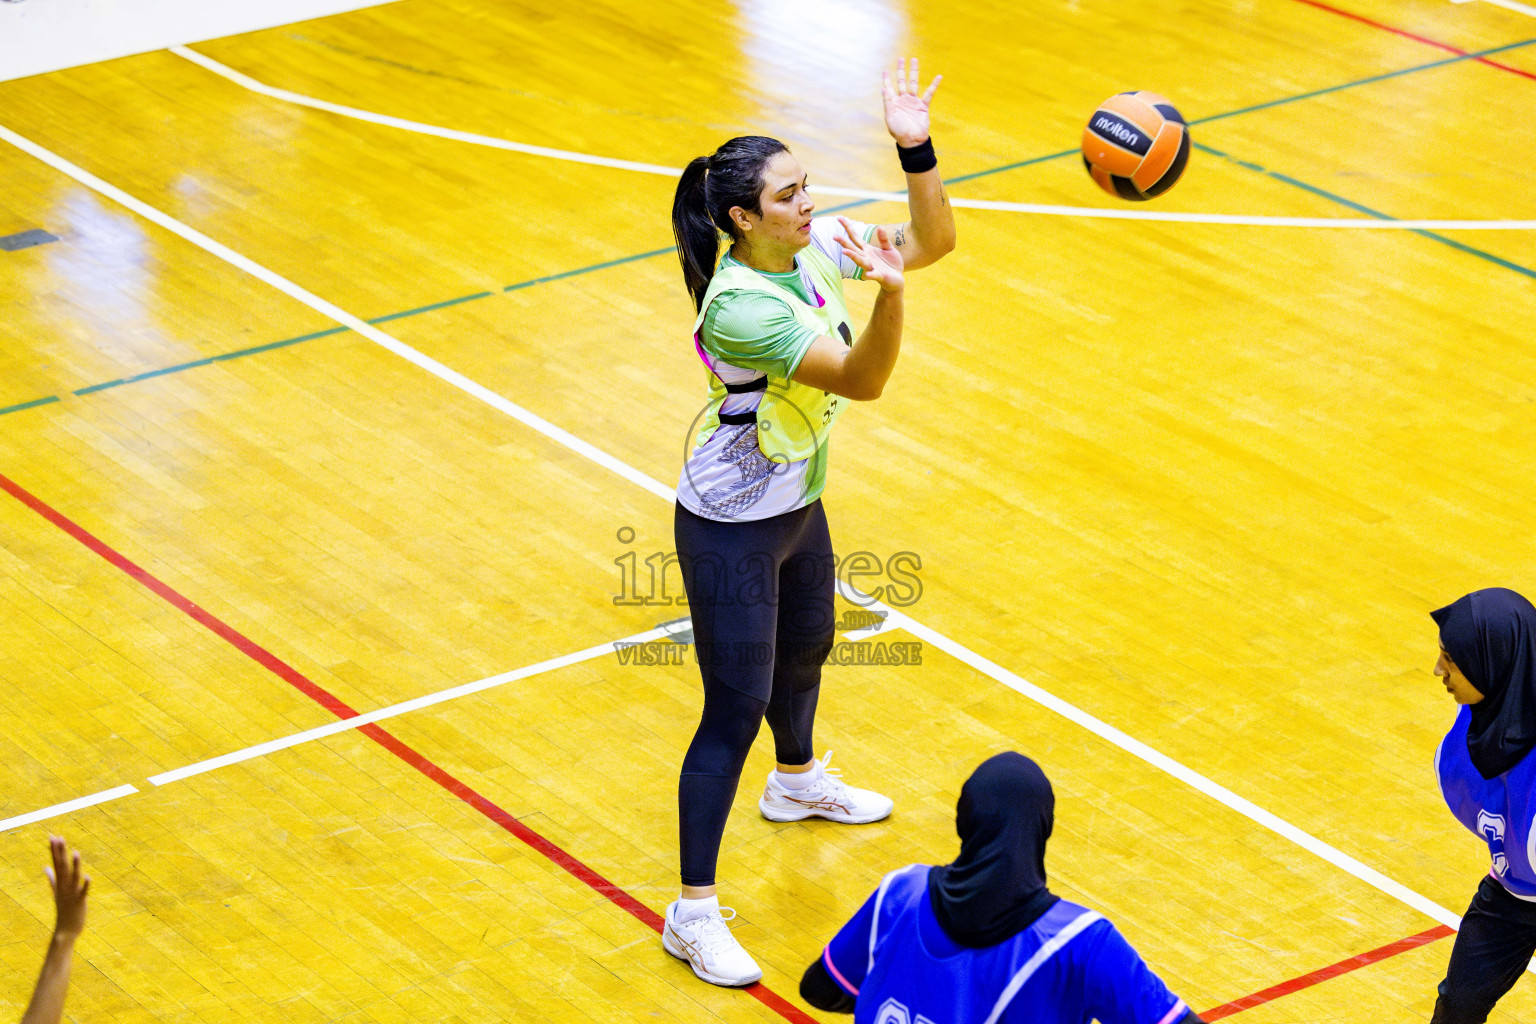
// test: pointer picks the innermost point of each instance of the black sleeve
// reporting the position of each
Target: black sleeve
(818, 989)
(1191, 1018)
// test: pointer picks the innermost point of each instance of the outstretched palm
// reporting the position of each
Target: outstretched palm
(906, 109)
(879, 259)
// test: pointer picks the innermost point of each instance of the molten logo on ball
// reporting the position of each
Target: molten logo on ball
(1135, 145)
(1104, 126)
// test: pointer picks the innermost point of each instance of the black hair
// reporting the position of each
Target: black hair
(709, 187)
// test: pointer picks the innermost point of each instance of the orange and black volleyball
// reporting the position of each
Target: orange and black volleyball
(1136, 145)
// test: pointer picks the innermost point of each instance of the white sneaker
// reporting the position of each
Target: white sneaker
(827, 797)
(709, 947)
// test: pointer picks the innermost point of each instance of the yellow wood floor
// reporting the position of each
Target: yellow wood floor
(1201, 481)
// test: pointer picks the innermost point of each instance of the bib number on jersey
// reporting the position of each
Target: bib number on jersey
(893, 1012)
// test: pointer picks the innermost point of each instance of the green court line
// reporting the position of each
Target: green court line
(253, 350)
(863, 202)
(428, 309)
(587, 270)
(957, 179)
(29, 405)
(269, 346)
(1267, 105)
(1367, 81)
(1359, 208)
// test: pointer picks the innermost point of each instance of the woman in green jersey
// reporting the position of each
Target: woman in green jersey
(775, 334)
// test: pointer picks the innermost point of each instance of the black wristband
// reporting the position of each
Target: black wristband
(919, 158)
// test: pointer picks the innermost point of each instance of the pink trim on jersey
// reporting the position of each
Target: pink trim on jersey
(806, 278)
(1179, 1010)
(698, 346)
(826, 957)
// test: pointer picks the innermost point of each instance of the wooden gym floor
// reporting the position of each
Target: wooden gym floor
(1199, 483)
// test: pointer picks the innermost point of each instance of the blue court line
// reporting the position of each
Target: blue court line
(863, 202)
(1359, 208)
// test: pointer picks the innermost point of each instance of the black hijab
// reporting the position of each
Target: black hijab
(1491, 636)
(996, 887)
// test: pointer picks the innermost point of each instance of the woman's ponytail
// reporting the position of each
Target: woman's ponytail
(701, 207)
(698, 240)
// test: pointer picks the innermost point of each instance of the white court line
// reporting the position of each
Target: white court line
(65, 807)
(416, 703)
(1135, 747)
(245, 81)
(337, 314)
(1508, 5)
(1096, 213)
(345, 724)
(1189, 776)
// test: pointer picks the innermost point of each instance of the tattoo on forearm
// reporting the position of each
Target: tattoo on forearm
(943, 199)
(901, 235)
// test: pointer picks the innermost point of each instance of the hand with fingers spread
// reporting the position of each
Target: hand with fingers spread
(70, 888)
(906, 106)
(880, 261)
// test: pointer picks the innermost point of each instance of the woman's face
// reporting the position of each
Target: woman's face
(785, 222)
(1455, 683)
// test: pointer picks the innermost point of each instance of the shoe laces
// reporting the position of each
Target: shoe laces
(833, 777)
(714, 934)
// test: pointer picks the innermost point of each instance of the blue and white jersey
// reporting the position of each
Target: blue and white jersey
(1069, 967)
(1498, 811)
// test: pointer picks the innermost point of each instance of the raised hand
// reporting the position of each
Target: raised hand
(70, 888)
(880, 262)
(69, 891)
(906, 110)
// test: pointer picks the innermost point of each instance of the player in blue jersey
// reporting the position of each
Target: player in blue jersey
(982, 940)
(1488, 777)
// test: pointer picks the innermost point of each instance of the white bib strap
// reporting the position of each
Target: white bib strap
(1042, 954)
(874, 924)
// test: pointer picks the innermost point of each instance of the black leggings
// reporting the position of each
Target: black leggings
(1496, 941)
(760, 593)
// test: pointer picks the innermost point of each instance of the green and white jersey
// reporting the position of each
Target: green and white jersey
(759, 333)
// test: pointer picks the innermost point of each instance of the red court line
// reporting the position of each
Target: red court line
(559, 856)
(1447, 47)
(1354, 963)
(409, 755)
